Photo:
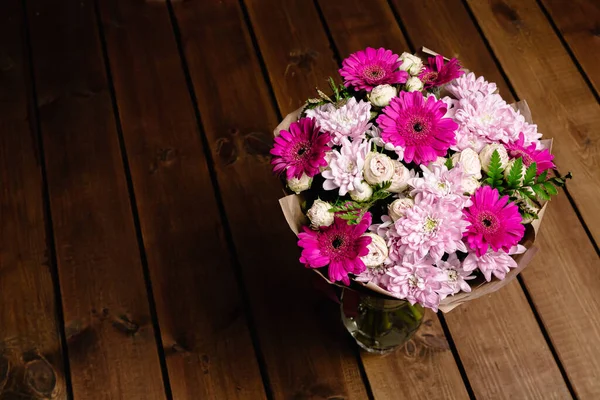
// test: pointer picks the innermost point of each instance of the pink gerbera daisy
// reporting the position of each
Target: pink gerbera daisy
(300, 150)
(495, 222)
(368, 68)
(418, 125)
(340, 246)
(530, 154)
(437, 73)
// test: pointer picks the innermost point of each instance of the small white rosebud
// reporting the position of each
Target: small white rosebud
(509, 166)
(378, 251)
(299, 185)
(470, 184)
(411, 63)
(469, 162)
(362, 192)
(378, 168)
(485, 155)
(438, 161)
(397, 209)
(319, 214)
(381, 95)
(400, 178)
(413, 84)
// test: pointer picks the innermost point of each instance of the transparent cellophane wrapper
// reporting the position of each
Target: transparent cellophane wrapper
(292, 210)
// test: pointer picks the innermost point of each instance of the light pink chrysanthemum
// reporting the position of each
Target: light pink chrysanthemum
(520, 125)
(440, 183)
(530, 154)
(346, 166)
(455, 277)
(437, 73)
(340, 246)
(416, 282)
(468, 85)
(482, 120)
(418, 125)
(495, 222)
(300, 150)
(431, 229)
(350, 120)
(491, 263)
(369, 68)
(377, 275)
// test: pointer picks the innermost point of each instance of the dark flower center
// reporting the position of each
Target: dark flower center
(374, 73)
(489, 222)
(418, 127)
(486, 222)
(337, 243)
(301, 151)
(430, 77)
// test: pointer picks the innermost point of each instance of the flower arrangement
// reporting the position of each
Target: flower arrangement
(413, 179)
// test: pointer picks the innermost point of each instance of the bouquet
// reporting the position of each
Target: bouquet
(414, 179)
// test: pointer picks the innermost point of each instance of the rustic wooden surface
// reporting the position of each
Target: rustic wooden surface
(142, 251)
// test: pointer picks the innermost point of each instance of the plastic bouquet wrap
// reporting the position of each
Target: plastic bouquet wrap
(414, 179)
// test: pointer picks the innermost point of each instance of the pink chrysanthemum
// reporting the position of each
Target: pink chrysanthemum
(455, 277)
(300, 150)
(350, 120)
(520, 125)
(531, 154)
(419, 126)
(437, 73)
(416, 282)
(368, 68)
(440, 183)
(345, 169)
(495, 222)
(491, 263)
(377, 275)
(468, 85)
(340, 246)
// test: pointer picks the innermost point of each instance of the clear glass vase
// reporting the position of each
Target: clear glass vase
(377, 324)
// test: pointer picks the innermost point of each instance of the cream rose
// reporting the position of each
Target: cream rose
(381, 95)
(378, 168)
(299, 185)
(378, 251)
(363, 192)
(400, 178)
(413, 84)
(397, 209)
(410, 63)
(319, 214)
(485, 155)
(469, 162)
(470, 184)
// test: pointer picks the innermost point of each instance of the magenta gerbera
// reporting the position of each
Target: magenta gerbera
(418, 125)
(300, 150)
(437, 73)
(495, 222)
(340, 246)
(368, 68)
(530, 154)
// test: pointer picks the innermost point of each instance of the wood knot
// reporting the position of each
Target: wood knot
(258, 143)
(226, 151)
(163, 158)
(504, 13)
(304, 60)
(205, 364)
(236, 146)
(125, 325)
(40, 377)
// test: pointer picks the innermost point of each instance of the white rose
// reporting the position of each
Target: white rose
(485, 155)
(413, 84)
(400, 178)
(397, 208)
(509, 166)
(363, 192)
(469, 162)
(379, 168)
(319, 214)
(299, 185)
(378, 251)
(410, 63)
(438, 161)
(470, 184)
(382, 95)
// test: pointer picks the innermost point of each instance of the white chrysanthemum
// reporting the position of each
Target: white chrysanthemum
(468, 85)
(455, 277)
(350, 120)
(346, 166)
(438, 183)
(491, 263)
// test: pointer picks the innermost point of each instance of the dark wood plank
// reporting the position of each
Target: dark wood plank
(566, 254)
(112, 347)
(299, 333)
(579, 24)
(546, 76)
(201, 316)
(29, 326)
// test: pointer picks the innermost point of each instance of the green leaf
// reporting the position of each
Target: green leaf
(542, 177)
(514, 175)
(448, 163)
(495, 170)
(550, 189)
(538, 188)
(529, 178)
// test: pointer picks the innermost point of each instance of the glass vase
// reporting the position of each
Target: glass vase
(379, 325)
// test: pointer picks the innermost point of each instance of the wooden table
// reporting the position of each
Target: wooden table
(142, 251)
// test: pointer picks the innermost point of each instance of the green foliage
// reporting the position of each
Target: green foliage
(494, 175)
(353, 211)
(449, 164)
(513, 180)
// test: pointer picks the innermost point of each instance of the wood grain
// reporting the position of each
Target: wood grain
(111, 340)
(579, 23)
(203, 326)
(545, 75)
(29, 325)
(299, 333)
(566, 254)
